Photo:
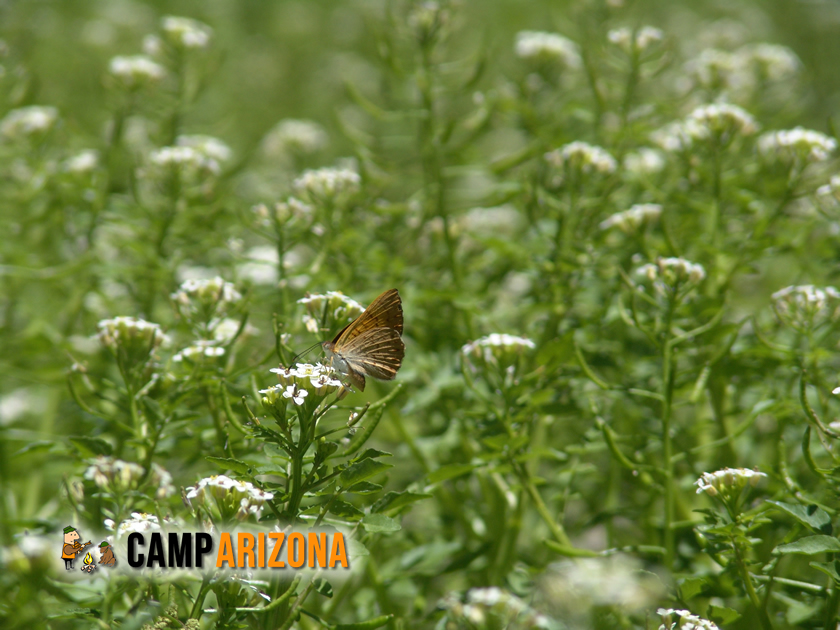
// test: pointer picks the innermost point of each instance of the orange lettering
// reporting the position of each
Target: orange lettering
(274, 561)
(338, 553)
(245, 547)
(225, 552)
(297, 550)
(317, 550)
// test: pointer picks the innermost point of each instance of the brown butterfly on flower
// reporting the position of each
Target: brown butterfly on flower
(371, 344)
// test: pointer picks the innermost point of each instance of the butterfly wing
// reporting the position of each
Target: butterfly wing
(384, 312)
(377, 352)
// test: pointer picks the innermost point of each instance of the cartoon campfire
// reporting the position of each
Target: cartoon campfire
(89, 563)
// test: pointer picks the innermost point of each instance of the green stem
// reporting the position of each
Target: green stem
(748, 585)
(556, 528)
(667, 445)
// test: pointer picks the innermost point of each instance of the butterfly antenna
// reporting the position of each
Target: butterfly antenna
(302, 354)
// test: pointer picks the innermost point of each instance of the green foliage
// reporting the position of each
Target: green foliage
(614, 248)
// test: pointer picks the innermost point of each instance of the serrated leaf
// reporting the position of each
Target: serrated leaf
(370, 453)
(365, 488)
(379, 523)
(370, 624)
(345, 510)
(811, 516)
(450, 471)
(237, 466)
(810, 545)
(323, 587)
(397, 500)
(362, 471)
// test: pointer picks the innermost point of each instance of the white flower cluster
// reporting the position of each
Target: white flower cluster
(581, 157)
(118, 476)
(637, 41)
(670, 272)
(805, 307)
(493, 607)
(294, 136)
(498, 349)
(631, 220)
(337, 307)
(139, 522)
(298, 382)
(188, 160)
(182, 32)
(684, 620)
(577, 585)
(213, 294)
(24, 122)
(327, 184)
(739, 73)
(644, 161)
(293, 209)
(547, 47)
(727, 482)
(225, 494)
(136, 71)
(210, 147)
(798, 144)
(829, 193)
(130, 333)
(197, 353)
(82, 163)
(720, 121)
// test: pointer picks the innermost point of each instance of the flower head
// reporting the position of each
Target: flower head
(34, 121)
(805, 307)
(631, 220)
(769, 61)
(644, 161)
(291, 136)
(139, 522)
(130, 338)
(82, 163)
(491, 607)
(212, 148)
(638, 41)
(683, 620)
(135, 71)
(579, 158)
(185, 33)
(496, 352)
(206, 300)
(332, 309)
(669, 275)
(298, 382)
(118, 476)
(797, 145)
(328, 185)
(292, 210)
(223, 498)
(544, 47)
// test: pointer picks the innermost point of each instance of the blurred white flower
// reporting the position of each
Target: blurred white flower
(644, 161)
(668, 273)
(201, 350)
(130, 335)
(727, 482)
(829, 194)
(770, 61)
(227, 497)
(210, 147)
(294, 136)
(797, 144)
(327, 184)
(136, 71)
(578, 158)
(81, 163)
(114, 475)
(261, 265)
(638, 41)
(182, 32)
(684, 620)
(543, 47)
(34, 120)
(185, 159)
(724, 119)
(139, 522)
(805, 307)
(330, 308)
(631, 220)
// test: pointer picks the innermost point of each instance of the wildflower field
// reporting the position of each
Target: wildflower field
(613, 227)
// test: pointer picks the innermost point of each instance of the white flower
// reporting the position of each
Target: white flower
(294, 136)
(239, 498)
(582, 158)
(644, 38)
(297, 395)
(334, 305)
(829, 193)
(644, 161)
(185, 32)
(207, 296)
(198, 352)
(668, 273)
(727, 481)
(187, 159)
(293, 209)
(797, 144)
(714, 69)
(724, 119)
(496, 349)
(805, 307)
(630, 220)
(81, 163)
(541, 46)
(114, 475)
(28, 121)
(685, 620)
(327, 184)
(130, 333)
(772, 61)
(211, 147)
(261, 267)
(678, 136)
(136, 70)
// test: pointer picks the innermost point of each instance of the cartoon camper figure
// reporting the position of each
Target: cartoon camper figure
(72, 547)
(107, 558)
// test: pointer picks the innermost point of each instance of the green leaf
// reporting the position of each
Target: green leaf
(360, 472)
(829, 568)
(370, 453)
(91, 446)
(450, 471)
(235, 465)
(691, 587)
(379, 523)
(365, 488)
(503, 442)
(723, 615)
(356, 549)
(810, 545)
(345, 510)
(811, 516)
(370, 624)
(39, 446)
(323, 587)
(397, 500)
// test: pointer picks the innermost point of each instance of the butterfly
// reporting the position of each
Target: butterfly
(371, 344)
